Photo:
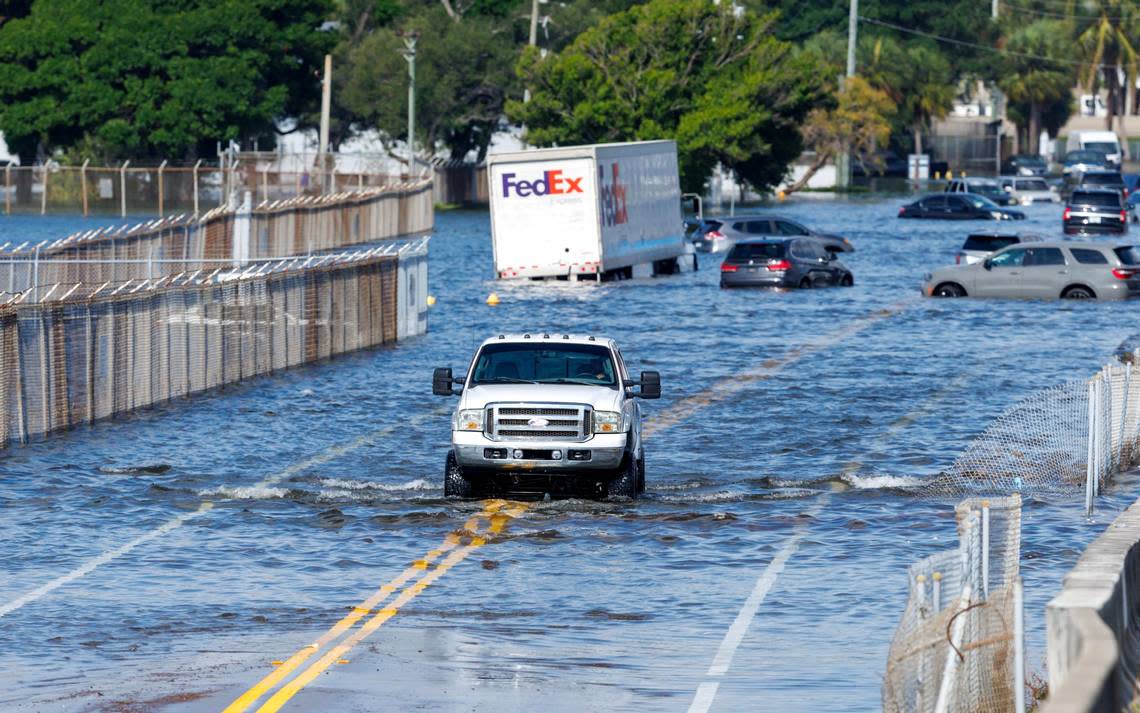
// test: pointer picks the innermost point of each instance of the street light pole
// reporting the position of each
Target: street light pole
(843, 160)
(409, 53)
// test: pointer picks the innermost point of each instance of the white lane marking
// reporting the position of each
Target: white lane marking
(706, 691)
(111, 555)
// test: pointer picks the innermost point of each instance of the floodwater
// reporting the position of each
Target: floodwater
(165, 561)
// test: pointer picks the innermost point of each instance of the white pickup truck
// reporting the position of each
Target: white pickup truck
(537, 408)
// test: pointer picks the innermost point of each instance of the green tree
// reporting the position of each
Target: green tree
(917, 77)
(715, 80)
(463, 75)
(148, 78)
(1033, 82)
(1103, 32)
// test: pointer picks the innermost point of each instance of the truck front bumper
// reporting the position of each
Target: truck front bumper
(599, 452)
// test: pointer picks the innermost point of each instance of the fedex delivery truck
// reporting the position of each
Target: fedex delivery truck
(595, 212)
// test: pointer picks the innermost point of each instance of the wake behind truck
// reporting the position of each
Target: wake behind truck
(604, 211)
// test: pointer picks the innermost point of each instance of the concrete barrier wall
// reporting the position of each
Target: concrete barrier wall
(1093, 639)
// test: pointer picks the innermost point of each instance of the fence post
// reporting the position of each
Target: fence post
(950, 670)
(985, 549)
(161, 168)
(83, 184)
(1122, 453)
(1099, 447)
(937, 587)
(195, 178)
(123, 189)
(43, 193)
(1090, 468)
(1019, 647)
(36, 275)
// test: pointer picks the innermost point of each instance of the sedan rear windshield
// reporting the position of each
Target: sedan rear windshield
(1102, 179)
(1128, 254)
(1102, 200)
(989, 243)
(544, 363)
(757, 251)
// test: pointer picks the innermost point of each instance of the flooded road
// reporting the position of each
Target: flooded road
(166, 561)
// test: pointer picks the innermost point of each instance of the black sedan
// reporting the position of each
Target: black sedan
(958, 206)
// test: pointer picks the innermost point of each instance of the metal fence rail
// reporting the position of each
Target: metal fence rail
(160, 247)
(77, 356)
(959, 646)
(1062, 440)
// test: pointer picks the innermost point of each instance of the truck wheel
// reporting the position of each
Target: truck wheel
(454, 484)
(624, 484)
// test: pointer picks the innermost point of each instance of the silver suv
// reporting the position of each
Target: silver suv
(1046, 270)
(535, 409)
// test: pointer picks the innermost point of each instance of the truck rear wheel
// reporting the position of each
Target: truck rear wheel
(625, 483)
(454, 484)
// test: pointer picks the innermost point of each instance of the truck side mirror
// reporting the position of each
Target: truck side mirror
(441, 381)
(650, 385)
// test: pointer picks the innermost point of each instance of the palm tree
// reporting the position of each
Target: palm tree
(918, 79)
(1102, 30)
(1033, 80)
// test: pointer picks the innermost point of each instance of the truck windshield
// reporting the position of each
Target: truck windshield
(544, 363)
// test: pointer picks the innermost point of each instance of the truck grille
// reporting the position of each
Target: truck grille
(514, 421)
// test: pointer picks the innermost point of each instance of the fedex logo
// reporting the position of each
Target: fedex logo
(552, 183)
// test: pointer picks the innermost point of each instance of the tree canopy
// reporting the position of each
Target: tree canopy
(715, 80)
(130, 78)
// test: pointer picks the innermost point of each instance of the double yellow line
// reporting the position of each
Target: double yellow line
(497, 513)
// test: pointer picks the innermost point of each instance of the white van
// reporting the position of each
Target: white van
(1102, 141)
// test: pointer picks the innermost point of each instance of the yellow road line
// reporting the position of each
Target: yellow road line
(497, 516)
(364, 608)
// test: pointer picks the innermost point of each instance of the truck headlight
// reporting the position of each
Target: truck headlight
(469, 420)
(608, 422)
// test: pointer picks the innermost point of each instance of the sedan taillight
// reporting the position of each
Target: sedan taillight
(728, 268)
(777, 265)
(1068, 212)
(1123, 273)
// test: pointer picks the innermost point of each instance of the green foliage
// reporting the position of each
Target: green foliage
(720, 84)
(131, 78)
(1035, 86)
(463, 74)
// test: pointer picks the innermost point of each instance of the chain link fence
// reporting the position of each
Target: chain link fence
(77, 356)
(163, 189)
(1057, 441)
(220, 238)
(959, 647)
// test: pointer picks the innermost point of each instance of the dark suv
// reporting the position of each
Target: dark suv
(1095, 210)
(794, 262)
(1104, 179)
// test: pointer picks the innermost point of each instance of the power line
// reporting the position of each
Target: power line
(975, 45)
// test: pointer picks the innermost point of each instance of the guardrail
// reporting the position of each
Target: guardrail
(1093, 635)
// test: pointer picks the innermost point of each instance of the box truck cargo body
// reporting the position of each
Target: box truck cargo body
(592, 212)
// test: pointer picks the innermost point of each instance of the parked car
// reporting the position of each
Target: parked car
(729, 231)
(1095, 210)
(958, 206)
(979, 246)
(1084, 161)
(1104, 179)
(788, 262)
(986, 187)
(1024, 164)
(1047, 270)
(1030, 190)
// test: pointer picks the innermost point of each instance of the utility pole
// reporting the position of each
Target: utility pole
(853, 35)
(534, 22)
(994, 9)
(843, 161)
(326, 101)
(409, 53)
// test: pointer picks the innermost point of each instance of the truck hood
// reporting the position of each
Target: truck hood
(600, 398)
